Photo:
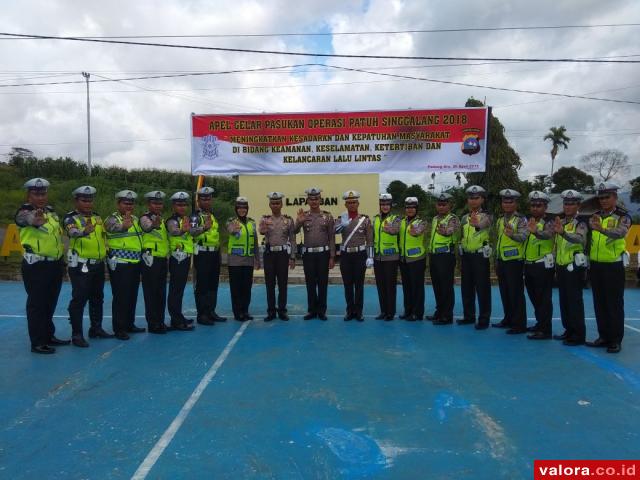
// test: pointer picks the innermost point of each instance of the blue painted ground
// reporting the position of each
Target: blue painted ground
(314, 400)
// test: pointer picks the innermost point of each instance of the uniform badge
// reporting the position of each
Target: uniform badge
(470, 141)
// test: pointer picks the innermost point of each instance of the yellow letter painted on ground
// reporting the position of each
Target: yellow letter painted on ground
(11, 241)
(633, 239)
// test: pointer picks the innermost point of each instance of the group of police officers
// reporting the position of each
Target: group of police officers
(529, 252)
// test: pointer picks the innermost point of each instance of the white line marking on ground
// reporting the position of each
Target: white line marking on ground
(152, 457)
(632, 328)
(632, 319)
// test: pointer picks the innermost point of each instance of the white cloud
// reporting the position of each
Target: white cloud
(128, 111)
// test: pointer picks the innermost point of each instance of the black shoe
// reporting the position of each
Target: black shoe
(481, 326)
(202, 320)
(501, 324)
(431, 318)
(465, 321)
(614, 347)
(238, 318)
(183, 327)
(283, 316)
(322, 317)
(404, 316)
(443, 321)
(309, 316)
(389, 318)
(134, 329)
(160, 328)
(79, 341)
(571, 342)
(358, 318)
(535, 328)
(538, 335)
(218, 318)
(44, 349)
(99, 333)
(121, 336)
(246, 316)
(411, 318)
(347, 318)
(382, 316)
(56, 341)
(269, 317)
(563, 336)
(598, 343)
(516, 331)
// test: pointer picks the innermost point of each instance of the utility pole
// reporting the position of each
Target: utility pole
(86, 76)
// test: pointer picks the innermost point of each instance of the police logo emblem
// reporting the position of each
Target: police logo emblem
(470, 141)
(210, 147)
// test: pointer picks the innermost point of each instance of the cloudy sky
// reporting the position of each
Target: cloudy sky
(145, 123)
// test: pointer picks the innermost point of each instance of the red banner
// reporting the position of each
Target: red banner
(351, 142)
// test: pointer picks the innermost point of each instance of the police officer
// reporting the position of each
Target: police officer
(318, 252)
(243, 257)
(179, 229)
(607, 253)
(206, 260)
(445, 230)
(386, 255)
(356, 253)
(87, 251)
(155, 250)
(512, 233)
(475, 254)
(538, 264)
(279, 255)
(124, 244)
(42, 266)
(413, 254)
(571, 263)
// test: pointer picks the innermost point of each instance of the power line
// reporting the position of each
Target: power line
(504, 89)
(148, 77)
(390, 75)
(370, 32)
(314, 54)
(171, 139)
(180, 97)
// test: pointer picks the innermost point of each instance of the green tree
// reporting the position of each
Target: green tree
(566, 178)
(503, 162)
(635, 189)
(397, 190)
(558, 139)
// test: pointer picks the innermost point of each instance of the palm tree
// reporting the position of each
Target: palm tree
(558, 138)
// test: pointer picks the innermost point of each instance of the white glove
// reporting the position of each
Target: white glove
(369, 262)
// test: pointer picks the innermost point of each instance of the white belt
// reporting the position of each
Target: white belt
(277, 248)
(34, 257)
(360, 248)
(531, 262)
(207, 249)
(315, 249)
(90, 261)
